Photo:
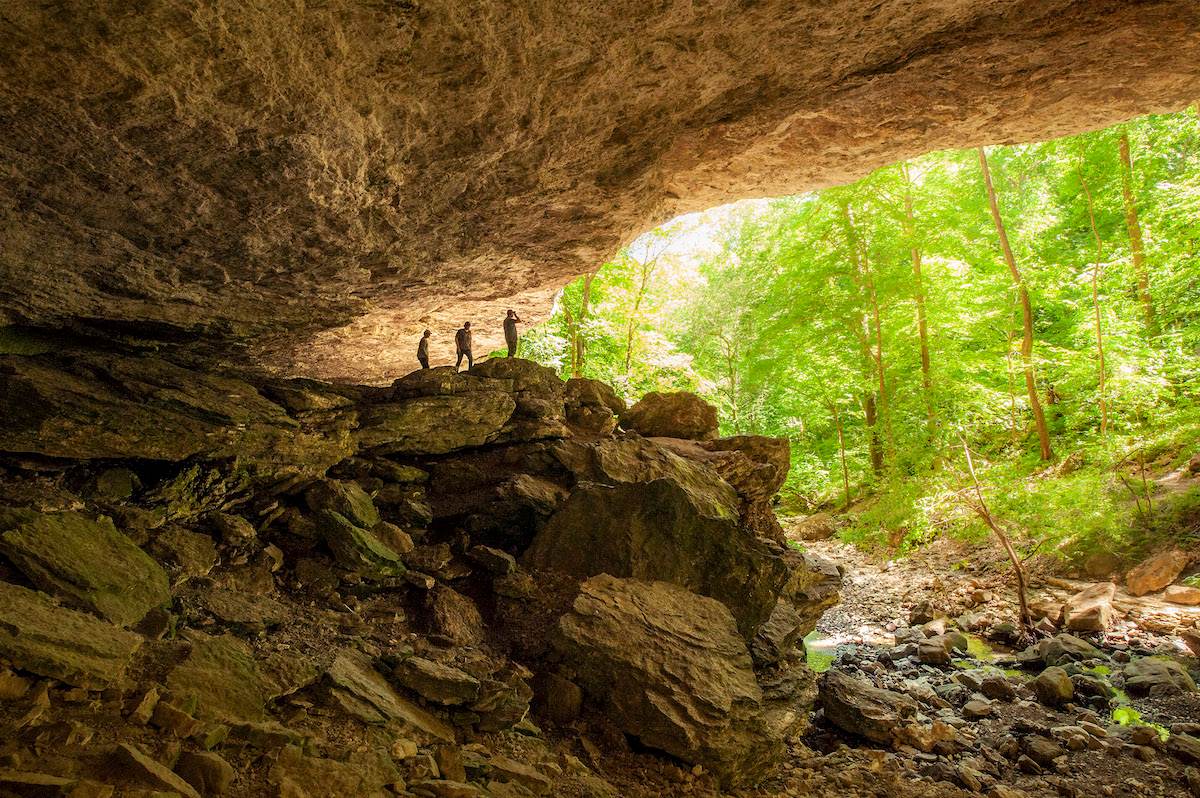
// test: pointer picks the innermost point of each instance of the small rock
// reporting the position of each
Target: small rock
(1054, 687)
(235, 530)
(207, 772)
(977, 710)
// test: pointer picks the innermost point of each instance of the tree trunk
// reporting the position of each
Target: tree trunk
(837, 421)
(1087, 192)
(1035, 403)
(874, 406)
(647, 269)
(573, 336)
(1134, 229)
(910, 229)
(579, 345)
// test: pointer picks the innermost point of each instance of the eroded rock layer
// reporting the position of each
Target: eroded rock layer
(209, 585)
(322, 180)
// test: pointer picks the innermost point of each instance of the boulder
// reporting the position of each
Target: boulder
(133, 766)
(1059, 650)
(39, 636)
(1157, 676)
(819, 526)
(207, 772)
(355, 680)
(1054, 687)
(456, 617)
(772, 458)
(664, 530)
(672, 415)
(297, 775)
(670, 669)
(356, 548)
(89, 563)
(223, 679)
(435, 682)
(429, 425)
(592, 407)
(777, 638)
(345, 498)
(1091, 609)
(1182, 594)
(1156, 572)
(857, 707)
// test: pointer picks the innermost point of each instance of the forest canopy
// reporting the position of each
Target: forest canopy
(1039, 303)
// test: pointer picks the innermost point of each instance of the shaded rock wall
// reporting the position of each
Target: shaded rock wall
(320, 181)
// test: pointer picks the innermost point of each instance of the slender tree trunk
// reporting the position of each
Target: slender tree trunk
(910, 229)
(1134, 229)
(579, 344)
(837, 422)
(1014, 425)
(874, 406)
(633, 316)
(573, 337)
(1091, 206)
(1035, 403)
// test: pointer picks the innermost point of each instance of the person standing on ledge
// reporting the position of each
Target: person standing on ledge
(423, 350)
(462, 343)
(510, 332)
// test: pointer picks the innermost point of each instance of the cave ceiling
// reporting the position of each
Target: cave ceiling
(304, 186)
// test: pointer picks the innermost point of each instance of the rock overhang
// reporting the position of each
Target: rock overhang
(307, 187)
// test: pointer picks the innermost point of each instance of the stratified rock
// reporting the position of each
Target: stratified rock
(777, 638)
(244, 609)
(87, 562)
(539, 396)
(353, 675)
(1157, 676)
(670, 668)
(1157, 572)
(672, 415)
(434, 424)
(456, 616)
(221, 676)
(38, 636)
(97, 405)
(435, 682)
(661, 530)
(1091, 609)
(857, 707)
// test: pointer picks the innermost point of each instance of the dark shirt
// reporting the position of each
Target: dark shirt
(423, 348)
(462, 340)
(510, 329)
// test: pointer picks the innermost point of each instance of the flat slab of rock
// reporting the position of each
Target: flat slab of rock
(132, 765)
(1182, 594)
(38, 635)
(300, 776)
(89, 563)
(435, 424)
(1157, 572)
(1091, 609)
(221, 674)
(435, 682)
(353, 673)
(671, 669)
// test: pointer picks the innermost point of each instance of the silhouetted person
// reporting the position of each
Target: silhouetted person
(423, 350)
(510, 332)
(462, 343)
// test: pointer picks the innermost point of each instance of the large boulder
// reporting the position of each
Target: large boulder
(1091, 609)
(1157, 572)
(592, 407)
(539, 394)
(672, 415)
(660, 530)
(670, 668)
(860, 708)
(39, 636)
(87, 562)
(1157, 676)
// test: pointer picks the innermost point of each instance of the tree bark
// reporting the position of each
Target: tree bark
(1035, 403)
(874, 406)
(910, 229)
(1134, 228)
(1091, 207)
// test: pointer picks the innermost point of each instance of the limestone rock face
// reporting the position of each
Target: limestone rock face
(672, 415)
(375, 169)
(87, 562)
(671, 669)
